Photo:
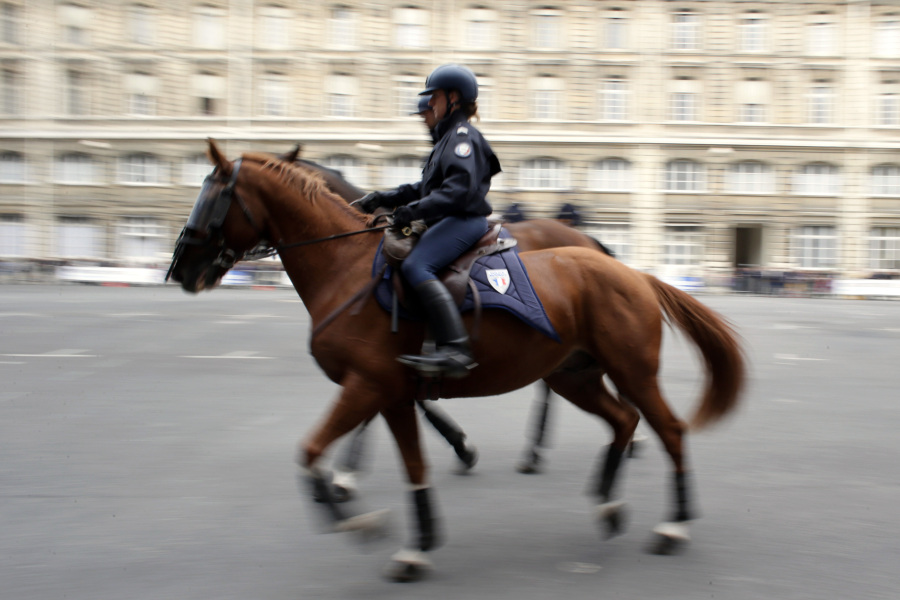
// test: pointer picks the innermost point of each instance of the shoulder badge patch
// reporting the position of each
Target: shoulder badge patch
(498, 278)
(462, 130)
(463, 149)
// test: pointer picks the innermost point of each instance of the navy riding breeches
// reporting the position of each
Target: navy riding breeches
(440, 245)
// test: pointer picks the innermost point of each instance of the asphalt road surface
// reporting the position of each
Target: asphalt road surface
(147, 441)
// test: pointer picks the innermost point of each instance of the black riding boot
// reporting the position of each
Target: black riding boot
(452, 357)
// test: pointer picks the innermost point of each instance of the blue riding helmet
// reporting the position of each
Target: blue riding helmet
(422, 106)
(452, 77)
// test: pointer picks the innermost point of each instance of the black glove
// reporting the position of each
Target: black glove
(368, 203)
(402, 216)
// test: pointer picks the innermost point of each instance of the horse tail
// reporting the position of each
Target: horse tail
(718, 344)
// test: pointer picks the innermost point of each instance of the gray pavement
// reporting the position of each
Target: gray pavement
(147, 439)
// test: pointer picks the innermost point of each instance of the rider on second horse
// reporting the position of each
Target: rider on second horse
(451, 199)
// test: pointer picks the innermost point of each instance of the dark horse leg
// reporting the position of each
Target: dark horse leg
(586, 390)
(532, 458)
(411, 562)
(451, 432)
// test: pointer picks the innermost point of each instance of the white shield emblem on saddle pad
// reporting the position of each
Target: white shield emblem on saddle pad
(498, 278)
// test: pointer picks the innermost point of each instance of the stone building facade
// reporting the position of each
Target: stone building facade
(697, 137)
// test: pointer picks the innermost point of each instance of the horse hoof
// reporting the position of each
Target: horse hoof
(407, 566)
(669, 538)
(343, 486)
(468, 457)
(530, 465)
(613, 516)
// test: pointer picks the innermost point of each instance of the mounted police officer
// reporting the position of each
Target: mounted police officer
(424, 111)
(451, 199)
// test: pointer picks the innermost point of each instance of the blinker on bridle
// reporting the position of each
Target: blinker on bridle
(209, 216)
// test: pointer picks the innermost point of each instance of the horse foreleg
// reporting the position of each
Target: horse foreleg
(532, 458)
(345, 469)
(451, 432)
(412, 562)
(357, 402)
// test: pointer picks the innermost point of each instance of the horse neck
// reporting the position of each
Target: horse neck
(321, 272)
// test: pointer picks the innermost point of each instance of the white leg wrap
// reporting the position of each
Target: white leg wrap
(409, 556)
(605, 510)
(366, 522)
(672, 530)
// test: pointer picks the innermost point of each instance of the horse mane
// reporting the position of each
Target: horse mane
(307, 181)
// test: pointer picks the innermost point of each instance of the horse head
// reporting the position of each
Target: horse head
(220, 230)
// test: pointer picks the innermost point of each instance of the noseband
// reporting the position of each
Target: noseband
(207, 217)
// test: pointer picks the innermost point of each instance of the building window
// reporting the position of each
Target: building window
(274, 22)
(480, 28)
(79, 237)
(485, 96)
(13, 235)
(884, 248)
(410, 27)
(544, 173)
(750, 177)
(9, 95)
(12, 167)
(752, 99)
(614, 99)
(142, 92)
(400, 170)
(547, 27)
(341, 92)
(615, 30)
(615, 236)
(684, 100)
(209, 28)
(11, 25)
(210, 91)
(817, 179)
(406, 95)
(814, 247)
(682, 246)
(685, 30)
(76, 93)
(76, 168)
(752, 32)
(610, 175)
(274, 93)
(194, 170)
(352, 169)
(887, 36)
(821, 103)
(142, 239)
(821, 35)
(885, 180)
(141, 25)
(75, 21)
(143, 169)
(889, 108)
(546, 96)
(342, 27)
(685, 176)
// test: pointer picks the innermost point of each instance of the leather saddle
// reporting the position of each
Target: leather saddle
(455, 276)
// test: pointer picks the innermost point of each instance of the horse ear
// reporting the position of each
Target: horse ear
(216, 157)
(293, 154)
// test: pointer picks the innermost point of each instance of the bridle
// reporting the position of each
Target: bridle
(208, 216)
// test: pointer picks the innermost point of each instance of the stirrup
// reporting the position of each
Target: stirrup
(439, 364)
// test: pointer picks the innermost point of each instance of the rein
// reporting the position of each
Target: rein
(263, 251)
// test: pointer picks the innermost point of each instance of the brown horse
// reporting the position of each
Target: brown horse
(608, 318)
(535, 234)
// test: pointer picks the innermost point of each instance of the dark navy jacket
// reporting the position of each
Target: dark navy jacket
(456, 177)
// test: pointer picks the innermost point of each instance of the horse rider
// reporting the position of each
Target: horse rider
(424, 111)
(514, 214)
(569, 215)
(451, 199)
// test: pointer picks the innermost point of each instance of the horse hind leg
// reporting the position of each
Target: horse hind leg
(532, 457)
(586, 390)
(673, 533)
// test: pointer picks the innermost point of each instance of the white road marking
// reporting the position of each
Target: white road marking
(64, 353)
(795, 357)
(237, 354)
(19, 314)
